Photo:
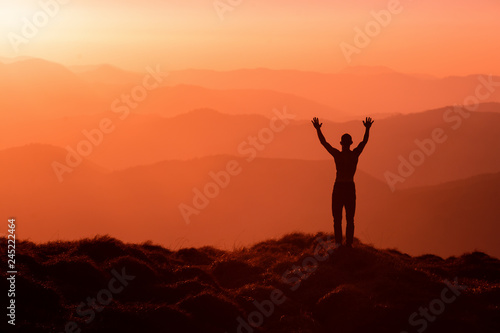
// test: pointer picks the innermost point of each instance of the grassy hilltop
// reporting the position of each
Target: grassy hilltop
(298, 283)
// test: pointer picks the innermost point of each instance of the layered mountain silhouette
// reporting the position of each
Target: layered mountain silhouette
(349, 93)
(445, 219)
(147, 139)
(418, 191)
(37, 89)
(297, 283)
(379, 92)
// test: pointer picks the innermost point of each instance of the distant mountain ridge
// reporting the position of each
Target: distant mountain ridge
(150, 138)
(349, 93)
(381, 92)
(267, 198)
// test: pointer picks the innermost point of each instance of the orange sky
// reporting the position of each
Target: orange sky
(440, 38)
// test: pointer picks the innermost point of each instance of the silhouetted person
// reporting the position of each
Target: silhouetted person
(344, 191)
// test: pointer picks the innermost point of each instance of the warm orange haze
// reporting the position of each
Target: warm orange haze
(188, 125)
(98, 149)
(144, 164)
(440, 38)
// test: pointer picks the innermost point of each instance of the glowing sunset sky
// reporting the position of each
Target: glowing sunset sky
(435, 37)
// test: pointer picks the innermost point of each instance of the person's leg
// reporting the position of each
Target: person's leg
(350, 209)
(337, 205)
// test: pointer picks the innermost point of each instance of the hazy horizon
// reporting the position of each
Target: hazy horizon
(349, 69)
(297, 35)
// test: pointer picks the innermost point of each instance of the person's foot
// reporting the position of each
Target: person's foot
(349, 246)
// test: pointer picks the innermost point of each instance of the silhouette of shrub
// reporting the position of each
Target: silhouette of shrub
(142, 271)
(32, 264)
(433, 264)
(325, 277)
(144, 277)
(190, 273)
(248, 294)
(212, 252)
(234, 274)
(356, 260)
(204, 290)
(398, 253)
(166, 318)
(270, 246)
(77, 277)
(294, 242)
(342, 307)
(44, 305)
(281, 267)
(477, 265)
(294, 323)
(289, 245)
(255, 291)
(193, 256)
(164, 263)
(51, 249)
(143, 318)
(138, 253)
(193, 287)
(430, 258)
(150, 247)
(171, 294)
(212, 311)
(100, 249)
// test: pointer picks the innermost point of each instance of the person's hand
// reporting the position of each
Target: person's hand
(316, 123)
(368, 122)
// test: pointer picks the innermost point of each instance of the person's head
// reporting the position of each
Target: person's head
(346, 141)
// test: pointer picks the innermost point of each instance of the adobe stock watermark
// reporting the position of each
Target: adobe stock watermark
(364, 36)
(292, 277)
(420, 320)
(454, 116)
(249, 148)
(39, 20)
(223, 6)
(95, 136)
(103, 298)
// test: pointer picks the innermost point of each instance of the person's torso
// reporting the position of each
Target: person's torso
(346, 163)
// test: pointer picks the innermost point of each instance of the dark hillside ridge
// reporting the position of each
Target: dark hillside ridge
(299, 283)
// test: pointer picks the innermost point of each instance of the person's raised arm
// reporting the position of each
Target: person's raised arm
(368, 124)
(317, 126)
